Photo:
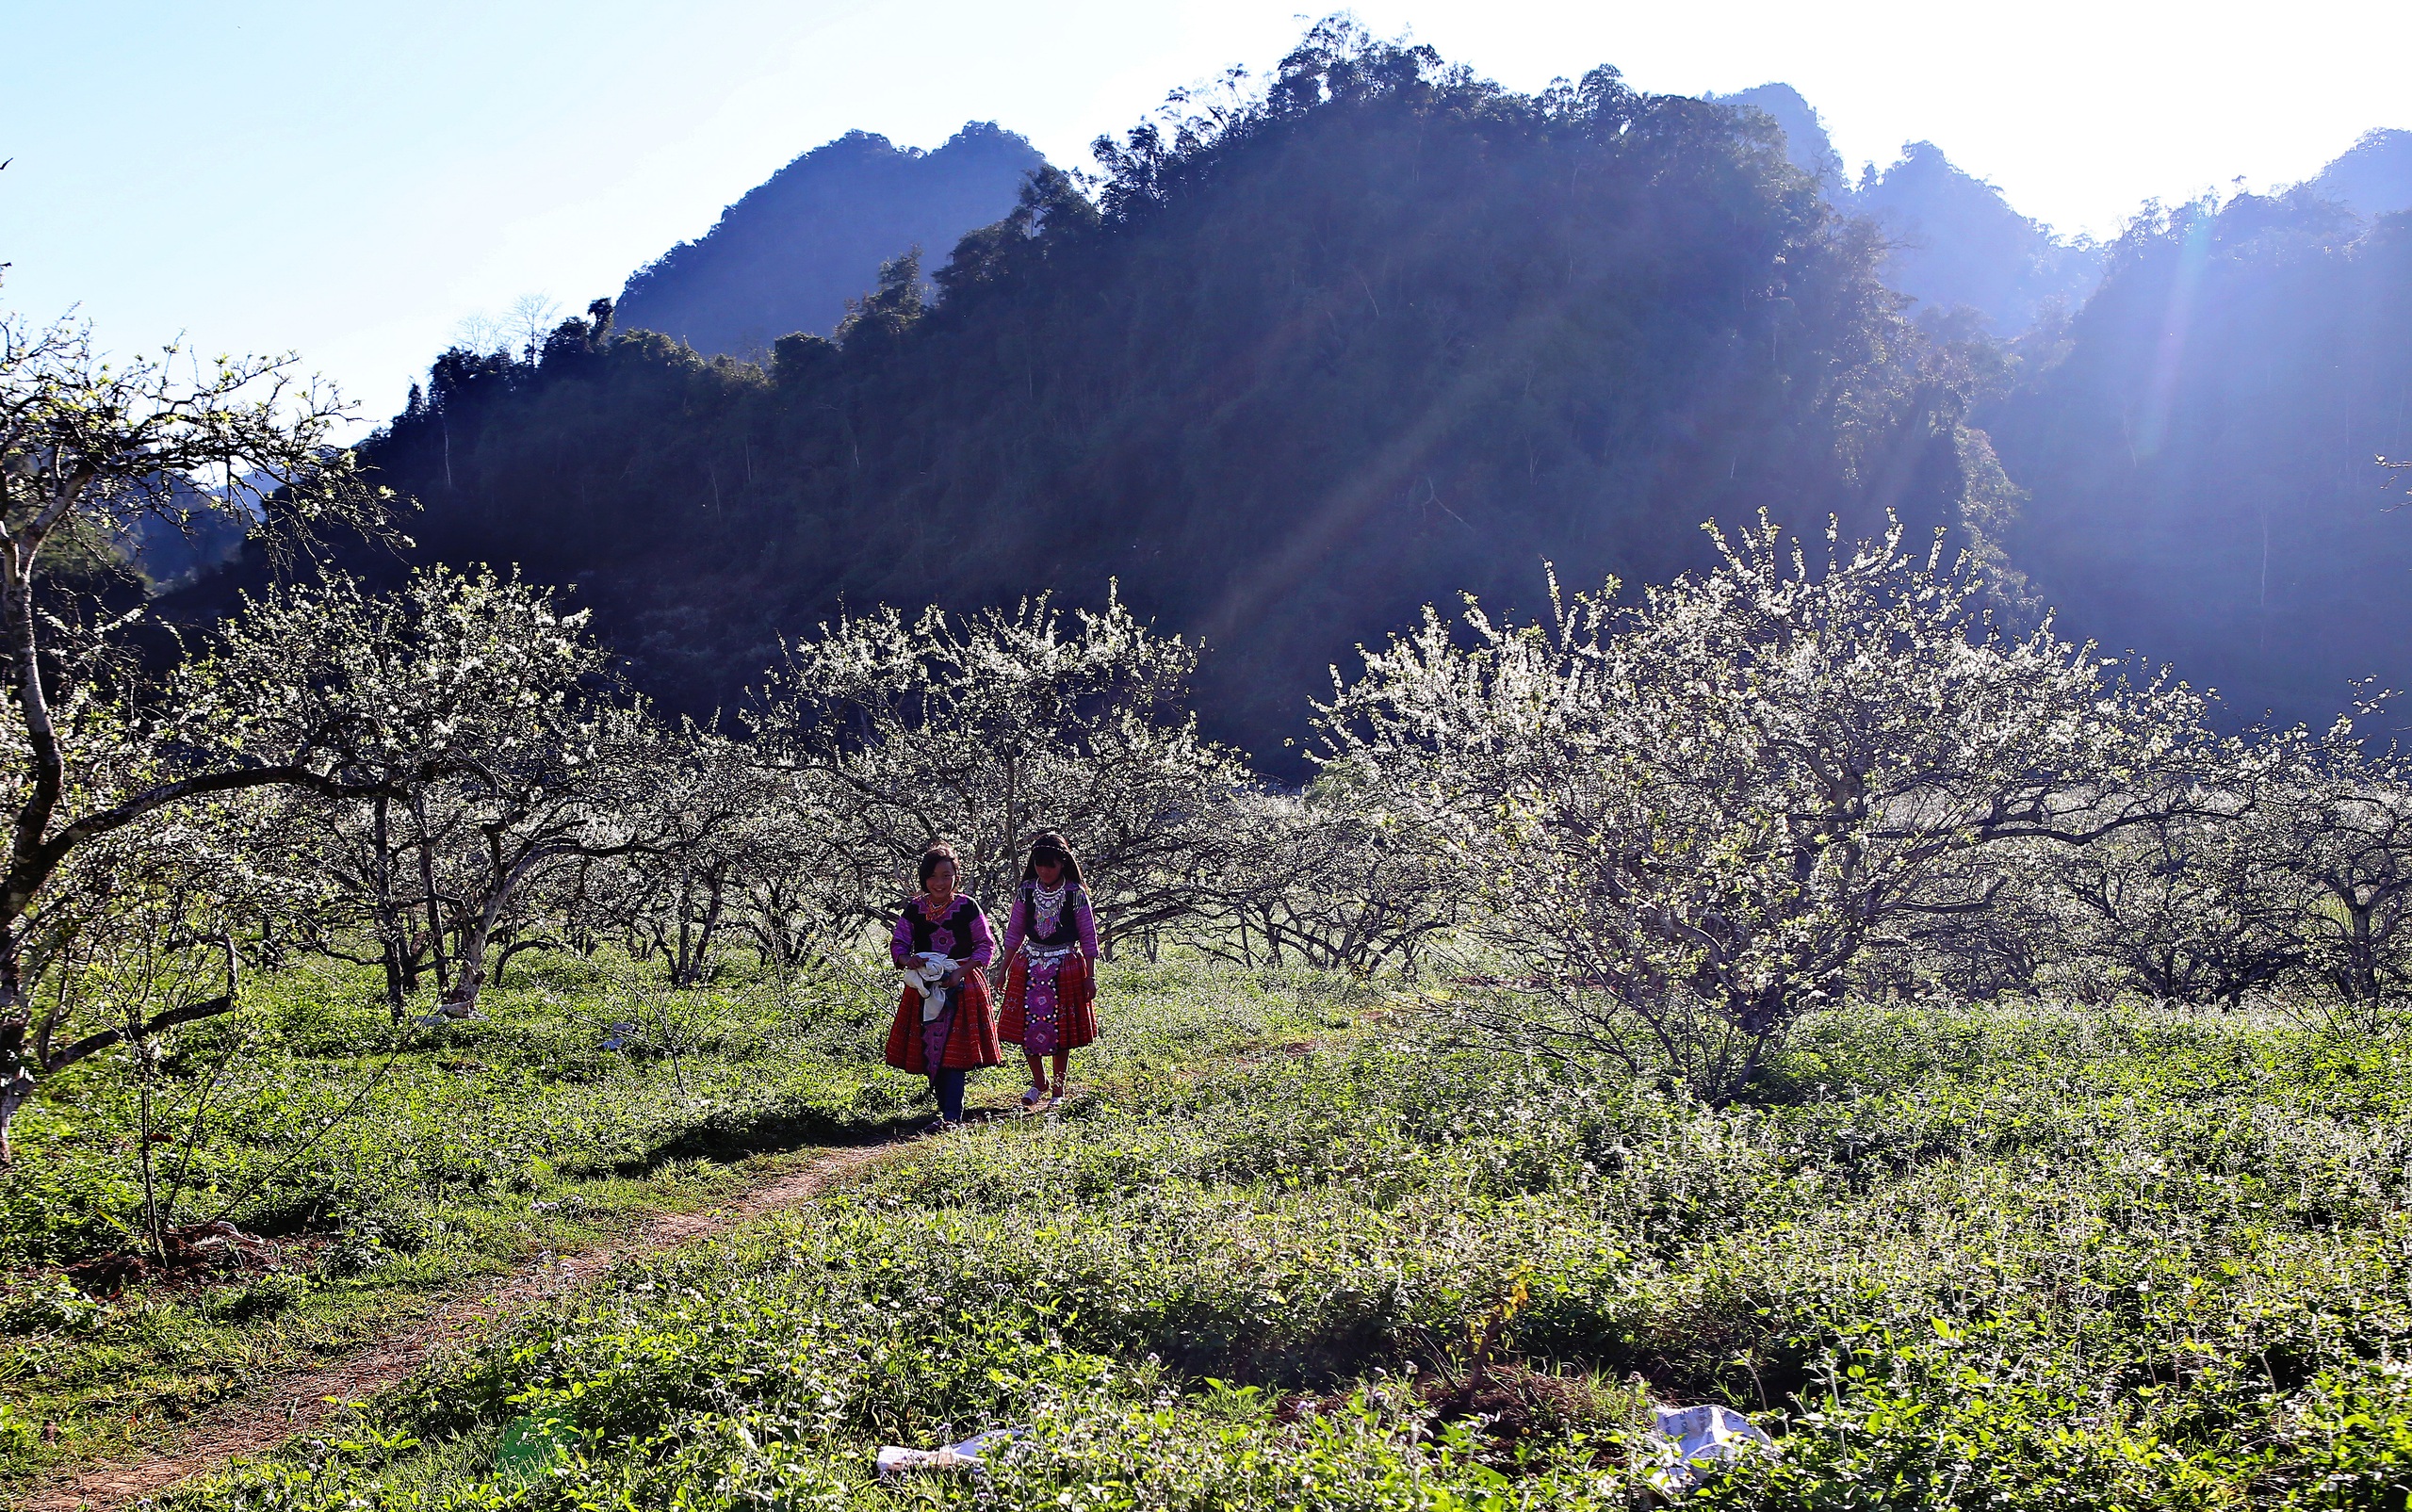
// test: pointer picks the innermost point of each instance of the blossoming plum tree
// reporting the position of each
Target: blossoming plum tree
(985, 729)
(1690, 815)
(90, 452)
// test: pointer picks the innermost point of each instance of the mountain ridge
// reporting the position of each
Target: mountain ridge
(1292, 375)
(1281, 392)
(790, 252)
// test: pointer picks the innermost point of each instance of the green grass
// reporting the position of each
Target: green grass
(1984, 1256)
(476, 1148)
(456, 1153)
(2020, 1257)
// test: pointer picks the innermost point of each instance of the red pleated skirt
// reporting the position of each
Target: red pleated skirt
(971, 1040)
(1075, 1002)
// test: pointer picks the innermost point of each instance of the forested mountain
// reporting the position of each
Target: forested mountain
(790, 254)
(1389, 334)
(2373, 176)
(2198, 447)
(2195, 439)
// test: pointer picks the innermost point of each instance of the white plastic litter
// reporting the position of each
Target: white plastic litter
(929, 980)
(894, 1459)
(1688, 1440)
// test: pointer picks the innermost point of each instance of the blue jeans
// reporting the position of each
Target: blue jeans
(947, 1086)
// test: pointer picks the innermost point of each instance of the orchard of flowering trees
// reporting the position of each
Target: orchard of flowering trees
(433, 780)
(1691, 819)
(1654, 830)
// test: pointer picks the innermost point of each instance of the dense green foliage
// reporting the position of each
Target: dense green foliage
(2024, 1258)
(1381, 334)
(461, 1108)
(387, 1174)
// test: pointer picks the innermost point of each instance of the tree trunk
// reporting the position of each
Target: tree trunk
(389, 927)
(577, 931)
(142, 1130)
(426, 884)
(469, 973)
(16, 1086)
(29, 827)
(16, 1058)
(681, 961)
(2361, 986)
(703, 938)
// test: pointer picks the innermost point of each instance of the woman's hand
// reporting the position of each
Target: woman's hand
(955, 978)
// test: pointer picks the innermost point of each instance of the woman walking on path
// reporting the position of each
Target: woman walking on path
(943, 1028)
(1051, 978)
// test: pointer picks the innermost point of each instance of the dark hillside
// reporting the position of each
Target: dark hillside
(788, 256)
(2200, 458)
(1388, 334)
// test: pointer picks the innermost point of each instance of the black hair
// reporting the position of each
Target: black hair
(939, 851)
(1049, 843)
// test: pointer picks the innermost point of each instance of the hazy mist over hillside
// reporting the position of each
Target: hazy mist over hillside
(2194, 435)
(1955, 241)
(790, 254)
(2374, 176)
(2197, 450)
(1805, 137)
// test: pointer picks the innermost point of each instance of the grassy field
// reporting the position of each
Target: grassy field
(389, 1172)
(1294, 1249)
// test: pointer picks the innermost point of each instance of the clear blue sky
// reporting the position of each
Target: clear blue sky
(347, 180)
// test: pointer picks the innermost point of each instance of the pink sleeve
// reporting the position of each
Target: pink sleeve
(1084, 921)
(984, 942)
(900, 942)
(1016, 925)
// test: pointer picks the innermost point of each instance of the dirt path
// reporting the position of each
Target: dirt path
(296, 1403)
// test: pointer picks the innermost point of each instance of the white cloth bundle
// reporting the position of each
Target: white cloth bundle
(929, 980)
(1688, 1440)
(894, 1459)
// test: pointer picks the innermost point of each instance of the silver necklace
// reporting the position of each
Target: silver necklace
(1049, 905)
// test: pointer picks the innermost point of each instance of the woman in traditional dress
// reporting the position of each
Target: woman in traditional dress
(1051, 948)
(945, 1032)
